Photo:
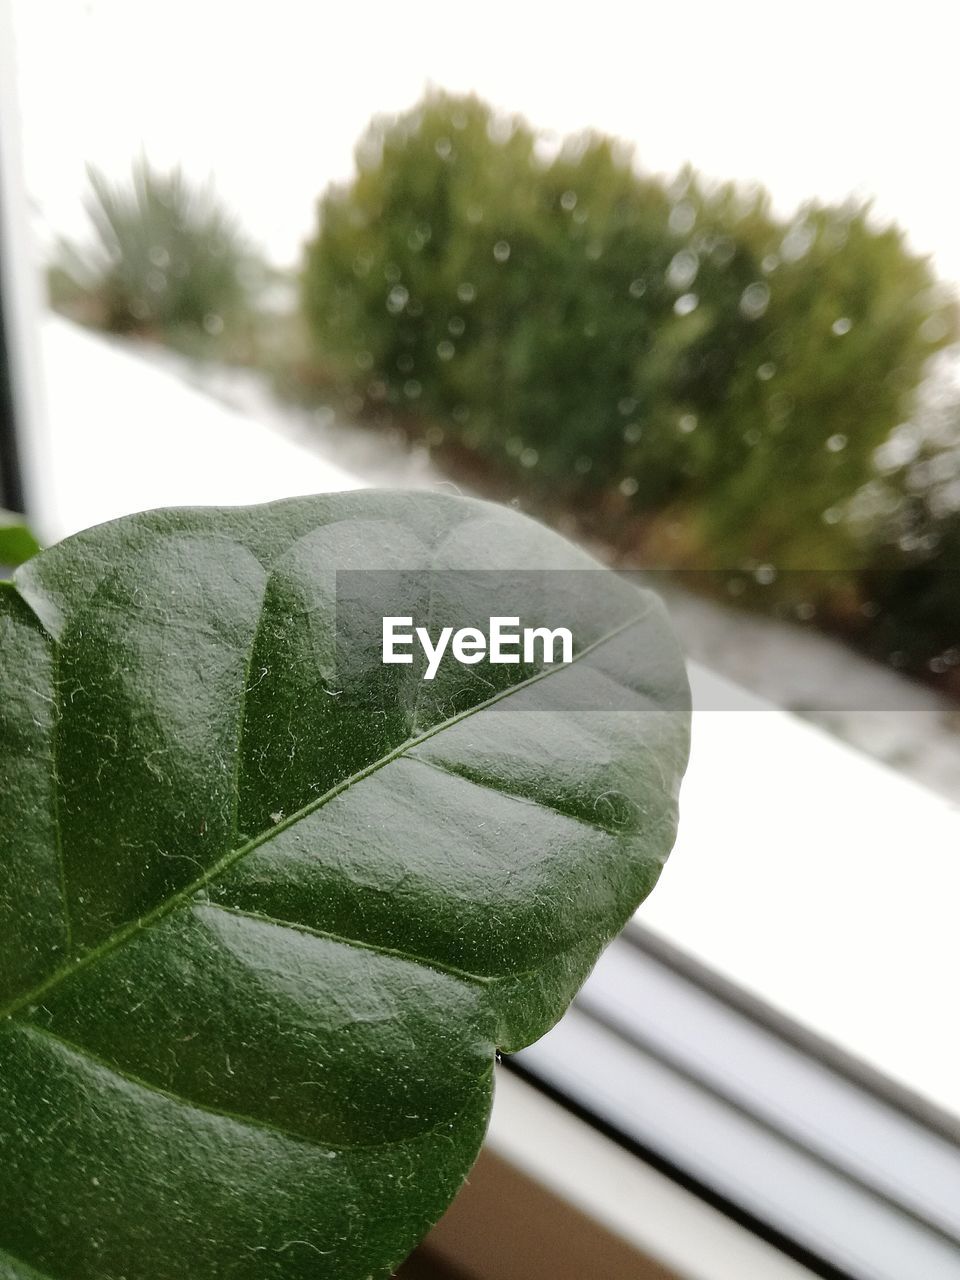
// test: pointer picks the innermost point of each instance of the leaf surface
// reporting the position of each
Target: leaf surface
(261, 935)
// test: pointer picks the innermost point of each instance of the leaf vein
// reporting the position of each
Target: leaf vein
(236, 1117)
(396, 953)
(232, 856)
(490, 784)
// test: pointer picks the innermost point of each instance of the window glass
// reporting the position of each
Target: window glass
(678, 280)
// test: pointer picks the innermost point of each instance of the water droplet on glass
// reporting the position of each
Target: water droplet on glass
(682, 218)
(156, 281)
(456, 325)
(842, 326)
(446, 350)
(501, 251)
(836, 442)
(159, 257)
(594, 250)
(213, 324)
(686, 303)
(765, 574)
(397, 299)
(752, 437)
(465, 291)
(444, 148)
(687, 423)
(568, 201)
(638, 288)
(797, 243)
(582, 465)
(500, 129)
(626, 406)
(683, 269)
(412, 389)
(766, 371)
(769, 263)
(832, 515)
(629, 486)
(529, 457)
(754, 300)
(632, 432)
(899, 450)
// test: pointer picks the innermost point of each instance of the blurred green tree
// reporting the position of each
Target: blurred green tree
(619, 340)
(830, 366)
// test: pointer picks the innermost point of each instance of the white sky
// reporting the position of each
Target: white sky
(269, 96)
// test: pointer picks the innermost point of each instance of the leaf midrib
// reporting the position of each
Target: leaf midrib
(232, 856)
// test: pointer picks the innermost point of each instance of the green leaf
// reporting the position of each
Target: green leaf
(17, 543)
(261, 936)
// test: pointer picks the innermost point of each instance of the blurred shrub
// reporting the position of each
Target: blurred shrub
(165, 260)
(910, 517)
(622, 342)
